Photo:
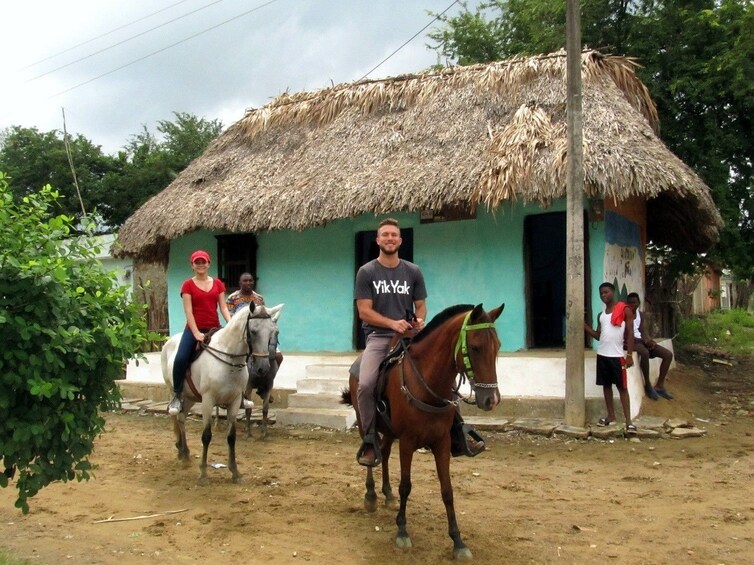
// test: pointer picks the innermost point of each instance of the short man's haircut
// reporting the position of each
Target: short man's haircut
(247, 275)
(388, 222)
(634, 295)
(611, 286)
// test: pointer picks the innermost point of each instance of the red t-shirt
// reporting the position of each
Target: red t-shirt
(204, 304)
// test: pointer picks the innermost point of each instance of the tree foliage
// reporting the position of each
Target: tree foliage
(68, 329)
(698, 62)
(112, 187)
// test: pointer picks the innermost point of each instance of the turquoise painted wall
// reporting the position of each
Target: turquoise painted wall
(312, 272)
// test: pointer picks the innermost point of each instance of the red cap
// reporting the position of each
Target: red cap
(200, 255)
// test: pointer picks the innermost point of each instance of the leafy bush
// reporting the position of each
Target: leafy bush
(68, 329)
(730, 331)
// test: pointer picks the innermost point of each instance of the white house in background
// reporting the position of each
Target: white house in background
(123, 268)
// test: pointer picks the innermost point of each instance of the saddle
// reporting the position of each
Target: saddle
(198, 350)
(200, 345)
(394, 355)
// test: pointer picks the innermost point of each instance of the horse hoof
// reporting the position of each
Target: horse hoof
(370, 505)
(462, 554)
(403, 542)
(238, 479)
(391, 503)
(202, 481)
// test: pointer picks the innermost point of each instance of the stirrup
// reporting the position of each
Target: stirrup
(370, 440)
(460, 434)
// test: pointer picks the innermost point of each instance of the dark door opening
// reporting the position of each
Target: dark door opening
(545, 259)
(546, 266)
(366, 250)
(237, 254)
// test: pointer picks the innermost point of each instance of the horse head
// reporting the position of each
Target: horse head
(476, 354)
(262, 338)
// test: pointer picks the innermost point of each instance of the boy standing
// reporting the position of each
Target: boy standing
(615, 326)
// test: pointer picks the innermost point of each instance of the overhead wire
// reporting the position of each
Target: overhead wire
(437, 17)
(125, 40)
(100, 36)
(147, 56)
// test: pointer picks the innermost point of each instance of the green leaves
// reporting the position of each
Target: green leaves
(68, 329)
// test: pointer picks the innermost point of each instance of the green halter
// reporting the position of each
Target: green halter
(461, 343)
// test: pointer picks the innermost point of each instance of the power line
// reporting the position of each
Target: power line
(437, 17)
(165, 48)
(124, 41)
(101, 35)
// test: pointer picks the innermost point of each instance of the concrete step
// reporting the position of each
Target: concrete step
(322, 385)
(327, 371)
(302, 400)
(338, 419)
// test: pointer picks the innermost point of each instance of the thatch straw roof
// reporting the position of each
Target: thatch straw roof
(463, 136)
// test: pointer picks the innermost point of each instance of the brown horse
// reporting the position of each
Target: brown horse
(421, 392)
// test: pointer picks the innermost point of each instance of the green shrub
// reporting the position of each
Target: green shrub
(68, 329)
(731, 331)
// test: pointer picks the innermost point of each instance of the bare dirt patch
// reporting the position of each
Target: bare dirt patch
(528, 499)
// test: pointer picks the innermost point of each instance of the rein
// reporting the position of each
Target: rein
(466, 371)
(217, 352)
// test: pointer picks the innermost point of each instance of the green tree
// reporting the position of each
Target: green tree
(112, 187)
(147, 165)
(68, 329)
(698, 62)
(33, 159)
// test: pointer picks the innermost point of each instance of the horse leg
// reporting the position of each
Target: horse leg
(370, 497)
(247, 422)
(179, 427)
(442, 464)
(232, 448)
(386, 447)
(206, 438)
(402, 539)
(265, 410)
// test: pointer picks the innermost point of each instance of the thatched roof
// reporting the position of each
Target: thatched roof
(462, 136)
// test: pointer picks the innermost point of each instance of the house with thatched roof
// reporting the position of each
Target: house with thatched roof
(470, 160)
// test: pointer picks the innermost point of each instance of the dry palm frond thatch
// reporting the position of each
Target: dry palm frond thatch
(464, 136)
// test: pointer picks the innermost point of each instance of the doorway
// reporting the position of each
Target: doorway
(545, 262)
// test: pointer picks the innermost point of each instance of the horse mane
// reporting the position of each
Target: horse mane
(440, 319)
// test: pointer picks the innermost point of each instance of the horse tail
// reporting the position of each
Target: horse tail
(345, 397)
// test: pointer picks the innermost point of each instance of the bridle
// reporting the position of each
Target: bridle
(271, 347)
(466, 371)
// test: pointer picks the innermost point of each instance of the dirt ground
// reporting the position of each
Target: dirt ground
(528, 499)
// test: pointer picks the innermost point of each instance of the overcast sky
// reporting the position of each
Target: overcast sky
(113, 81)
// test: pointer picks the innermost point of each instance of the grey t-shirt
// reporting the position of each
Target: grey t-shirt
(391, 290)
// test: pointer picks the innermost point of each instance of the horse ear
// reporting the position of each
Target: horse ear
(275, 312)
(495, 314)
(477, 312)
(252, 305)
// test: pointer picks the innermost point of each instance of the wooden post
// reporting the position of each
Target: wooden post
(575, 404)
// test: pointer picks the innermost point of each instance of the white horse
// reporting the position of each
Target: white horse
(220, 375)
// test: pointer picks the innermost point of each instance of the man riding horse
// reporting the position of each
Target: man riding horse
(386, 288)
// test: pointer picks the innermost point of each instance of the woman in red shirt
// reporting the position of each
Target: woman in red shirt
(201, 295)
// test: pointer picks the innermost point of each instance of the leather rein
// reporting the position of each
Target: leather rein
(465, 371)
(214, 352)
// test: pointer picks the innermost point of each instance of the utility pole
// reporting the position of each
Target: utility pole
(575, 405)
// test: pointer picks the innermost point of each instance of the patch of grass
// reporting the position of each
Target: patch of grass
(7, 559)
(729, 331)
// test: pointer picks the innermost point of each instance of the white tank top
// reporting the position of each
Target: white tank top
(637, 323)
(611, 337)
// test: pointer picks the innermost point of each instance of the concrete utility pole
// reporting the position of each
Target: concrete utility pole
(575, 405)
